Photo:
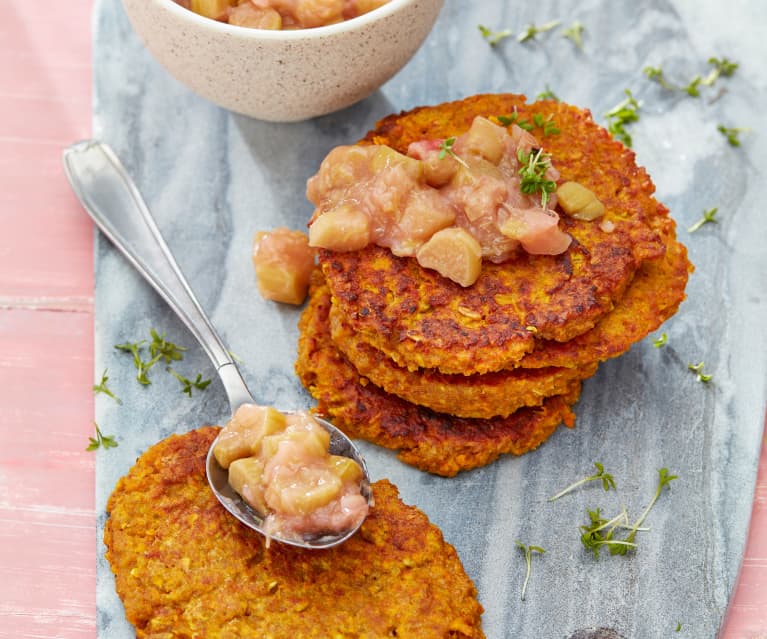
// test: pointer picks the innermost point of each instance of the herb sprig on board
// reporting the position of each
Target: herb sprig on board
(606, 478)
(101, 440)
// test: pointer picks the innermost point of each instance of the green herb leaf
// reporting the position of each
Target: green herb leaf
(446, 148)
(620, 115)
(142, 367)
(101, 440)
(166, 350)
(187, 384)
(661, 341)
(732, 134)
(507, 120)
(575, 32)
(548, 94)
(678, 626)
(532, 30)
(708, 216)
(698, 370)
(664, 478)
(101, 387)
(692, 88)
(533, 167)
(528, 550)
(493, 37)
(722, 68)
(600, 533)
(656, 75)
(606, 479)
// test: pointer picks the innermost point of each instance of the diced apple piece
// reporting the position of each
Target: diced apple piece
(344, 228)
(318, 13)
(284, 263)
(425, 213)
(346, 469)
(579, 202)
(292, 494)
(454, 254)
(243, 435)
(537, 230)
(485, 139)
(248, 15)
(385, 157)
(246, 479)
(216, 9)
(308, 442)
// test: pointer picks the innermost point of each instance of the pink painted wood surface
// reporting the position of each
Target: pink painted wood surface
(47, 518)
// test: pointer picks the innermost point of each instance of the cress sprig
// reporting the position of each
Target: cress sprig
(533, 167)
(606, 478)
(528, 550)
(102, 387)
(101, 440)
(446, 148)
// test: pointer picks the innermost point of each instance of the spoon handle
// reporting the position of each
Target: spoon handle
(110, 197)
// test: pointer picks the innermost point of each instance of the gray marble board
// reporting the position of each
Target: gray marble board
(213, 178)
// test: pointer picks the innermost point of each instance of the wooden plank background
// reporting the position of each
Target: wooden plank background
(47, 518)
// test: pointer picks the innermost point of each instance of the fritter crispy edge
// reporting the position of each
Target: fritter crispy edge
(185, 568)
(484, 396)
(434, 442)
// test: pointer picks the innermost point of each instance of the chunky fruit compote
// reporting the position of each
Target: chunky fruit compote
(281, 466)
(281, 14)
(448, 203)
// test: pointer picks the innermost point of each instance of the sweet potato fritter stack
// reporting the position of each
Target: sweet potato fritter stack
(184, 567)
(453, 377)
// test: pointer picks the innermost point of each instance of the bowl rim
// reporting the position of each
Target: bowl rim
(354, 24)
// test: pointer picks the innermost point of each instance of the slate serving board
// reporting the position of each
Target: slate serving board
(213, 178)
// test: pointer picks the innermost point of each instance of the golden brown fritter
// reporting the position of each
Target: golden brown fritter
(654, 295)
(422, 320)
(479, 396)
(185, 568)
(435, 442)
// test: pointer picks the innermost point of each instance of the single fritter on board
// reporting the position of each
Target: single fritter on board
(420, 319)
(186, 568)
(435, 442)
(654, 295)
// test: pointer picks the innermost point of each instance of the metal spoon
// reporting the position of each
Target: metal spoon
(110, 197)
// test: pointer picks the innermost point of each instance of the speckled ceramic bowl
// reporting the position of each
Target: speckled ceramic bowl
(283, 76)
